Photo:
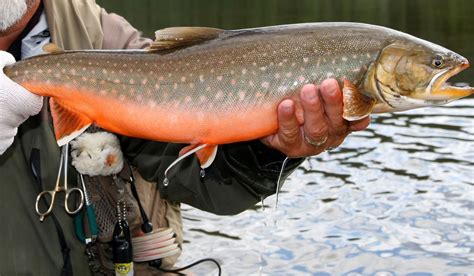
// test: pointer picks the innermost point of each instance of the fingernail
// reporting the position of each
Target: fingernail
(309, 94)
(287, 105)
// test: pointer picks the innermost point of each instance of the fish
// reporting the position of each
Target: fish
(207, 87)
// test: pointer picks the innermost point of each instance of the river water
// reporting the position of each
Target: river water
(397, 198)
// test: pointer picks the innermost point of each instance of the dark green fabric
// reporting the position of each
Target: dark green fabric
(240, 176)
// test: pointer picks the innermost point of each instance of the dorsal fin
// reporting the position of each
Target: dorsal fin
(52, 48)
(179, 37)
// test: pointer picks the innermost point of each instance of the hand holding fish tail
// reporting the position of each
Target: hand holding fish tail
(16, 104)
(323, 126)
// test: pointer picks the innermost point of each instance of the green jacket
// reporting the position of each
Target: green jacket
(240, 176)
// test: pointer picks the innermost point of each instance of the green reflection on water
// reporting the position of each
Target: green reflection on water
(448, 23)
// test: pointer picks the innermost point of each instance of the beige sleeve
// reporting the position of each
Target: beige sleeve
(119, 34)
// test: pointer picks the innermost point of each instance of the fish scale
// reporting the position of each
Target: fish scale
(210, 86)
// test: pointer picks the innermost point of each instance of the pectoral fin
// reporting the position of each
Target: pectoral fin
(68, 124)
(179, 37)
(356, 104)
(205, 155)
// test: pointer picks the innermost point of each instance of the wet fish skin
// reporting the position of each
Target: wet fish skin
(221, 90)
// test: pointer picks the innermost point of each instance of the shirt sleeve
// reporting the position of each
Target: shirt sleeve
(241, 175)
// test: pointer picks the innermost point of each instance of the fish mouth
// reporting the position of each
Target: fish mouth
(438, 91)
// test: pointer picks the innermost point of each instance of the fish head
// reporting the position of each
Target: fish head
(411, 74)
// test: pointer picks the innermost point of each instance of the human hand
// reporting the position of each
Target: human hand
(321, 125)
(16, 104)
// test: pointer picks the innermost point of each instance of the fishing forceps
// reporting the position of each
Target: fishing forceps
(63, 164)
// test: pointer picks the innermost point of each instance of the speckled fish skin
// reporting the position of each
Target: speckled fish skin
(219, 91)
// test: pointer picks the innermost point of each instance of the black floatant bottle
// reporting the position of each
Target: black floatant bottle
(122, 249)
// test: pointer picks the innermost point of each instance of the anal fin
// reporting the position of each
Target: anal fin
(68, 123)
(356, 104)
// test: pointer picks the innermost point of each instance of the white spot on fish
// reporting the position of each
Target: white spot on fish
(219, 94)
(183, 79)
(280, 64)
(40, 71)
(368, 55)
(219, 78)
(187, 99)
(301, 78)
(254, 64)
(277, 75)
(263, 68)
(305, 60)
(354, 56)
(329, 75)
(84, 79)
(151, 103)
(293, 64)
(73, 71)
(265, 84)
(241, 94)
(169, 75)
(191, 85)
(282, 89)
(355, 70)
(201, 78)
(344, 59)
(144, 81)
(208, 88)
(338, 70)
(49, 71)
(244, 71)
(251, 83)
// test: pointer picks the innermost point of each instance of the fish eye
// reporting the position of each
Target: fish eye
(438, 61)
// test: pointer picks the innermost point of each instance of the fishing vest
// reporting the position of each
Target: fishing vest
(76, 24)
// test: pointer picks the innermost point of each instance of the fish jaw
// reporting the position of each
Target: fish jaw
(447, 92)
(438, 92)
